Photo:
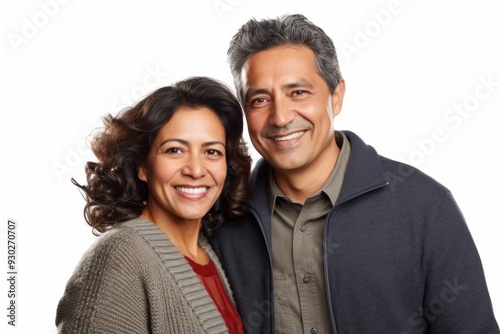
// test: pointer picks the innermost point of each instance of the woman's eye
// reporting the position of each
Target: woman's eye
(173, 150)
(214, 152)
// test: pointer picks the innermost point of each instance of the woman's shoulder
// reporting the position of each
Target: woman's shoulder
(112, 270)
(115, 238)
(119, 246)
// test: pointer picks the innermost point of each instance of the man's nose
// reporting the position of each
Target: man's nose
(282, 113)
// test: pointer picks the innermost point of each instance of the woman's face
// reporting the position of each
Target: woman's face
(186, 166)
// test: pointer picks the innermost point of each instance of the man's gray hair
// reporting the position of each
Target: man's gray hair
(259, 35)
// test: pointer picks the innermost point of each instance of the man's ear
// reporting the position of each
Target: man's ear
(141, 173)
(338, 97)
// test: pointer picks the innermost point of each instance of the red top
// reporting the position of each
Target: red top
(208, 275)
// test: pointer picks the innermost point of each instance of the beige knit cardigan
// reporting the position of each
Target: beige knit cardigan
(134, 280)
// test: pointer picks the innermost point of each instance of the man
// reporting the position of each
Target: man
(338, 239)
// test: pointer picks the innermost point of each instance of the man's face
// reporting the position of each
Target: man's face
(289, 109)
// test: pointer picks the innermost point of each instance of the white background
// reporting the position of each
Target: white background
(409, 67)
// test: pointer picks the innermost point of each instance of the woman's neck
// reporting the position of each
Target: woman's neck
(182, 233)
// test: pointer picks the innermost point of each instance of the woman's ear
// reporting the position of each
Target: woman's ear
(141, 173)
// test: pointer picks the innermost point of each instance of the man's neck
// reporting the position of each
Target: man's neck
(302, 183)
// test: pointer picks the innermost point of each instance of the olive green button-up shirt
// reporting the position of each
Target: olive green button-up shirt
(301, 304)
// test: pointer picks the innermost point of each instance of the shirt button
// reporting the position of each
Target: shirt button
(303, 228)
(306, 280)
(314, 330)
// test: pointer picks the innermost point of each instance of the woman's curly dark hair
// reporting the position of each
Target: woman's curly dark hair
(115, 194)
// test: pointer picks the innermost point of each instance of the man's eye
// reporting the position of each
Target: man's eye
(258, 101)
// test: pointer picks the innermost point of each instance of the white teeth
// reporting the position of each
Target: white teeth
(290, 136)
(192, 191)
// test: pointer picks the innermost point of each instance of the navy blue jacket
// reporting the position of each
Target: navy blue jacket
(399, 257)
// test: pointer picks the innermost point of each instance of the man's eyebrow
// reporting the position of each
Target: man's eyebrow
(291, 85)
(298, 84)
(252, 92)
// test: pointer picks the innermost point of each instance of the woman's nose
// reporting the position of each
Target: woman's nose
(194, 166)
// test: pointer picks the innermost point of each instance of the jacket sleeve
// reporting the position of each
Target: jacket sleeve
(104, 294)
(456, 300)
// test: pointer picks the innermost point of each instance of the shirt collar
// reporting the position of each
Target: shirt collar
(332, 185)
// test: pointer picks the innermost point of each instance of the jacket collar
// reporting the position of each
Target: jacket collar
(364, 171)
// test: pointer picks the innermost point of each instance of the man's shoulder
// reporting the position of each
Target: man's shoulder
(400, 172)
(394, 171)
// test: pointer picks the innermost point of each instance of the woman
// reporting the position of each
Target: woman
(171, 170)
